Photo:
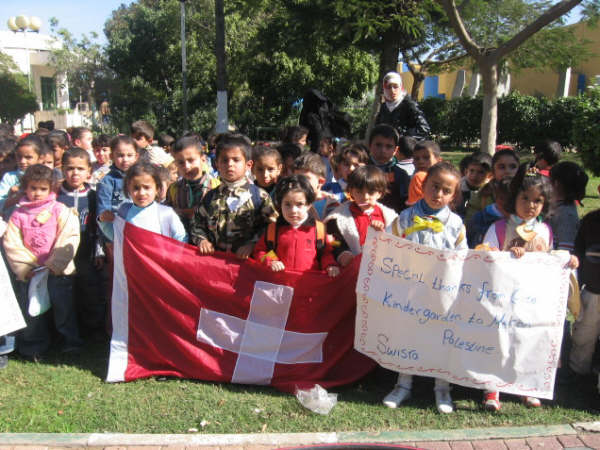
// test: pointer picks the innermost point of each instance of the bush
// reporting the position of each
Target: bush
(435, 110)
(523, 120)
(586, 129)
(518, 117)
(464, 120)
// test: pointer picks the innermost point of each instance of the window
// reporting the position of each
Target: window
(48, 93)
(431, 87)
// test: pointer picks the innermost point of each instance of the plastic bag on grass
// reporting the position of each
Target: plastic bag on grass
(317, 399)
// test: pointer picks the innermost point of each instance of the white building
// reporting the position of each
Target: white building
(31, 53)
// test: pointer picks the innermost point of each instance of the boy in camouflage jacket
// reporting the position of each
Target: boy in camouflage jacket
(235, 214)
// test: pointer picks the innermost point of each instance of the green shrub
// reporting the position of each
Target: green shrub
(435, 110)
(518, 119)
(586, 129)
(464, 120)
(523, 120)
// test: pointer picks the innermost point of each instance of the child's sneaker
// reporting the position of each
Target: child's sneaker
(531, 402)
(396, 397)
(443, 401)
(491, 401)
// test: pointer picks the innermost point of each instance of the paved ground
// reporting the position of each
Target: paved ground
(574, 437)
(577, 442)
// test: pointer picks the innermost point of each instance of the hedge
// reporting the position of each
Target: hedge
(523, 120)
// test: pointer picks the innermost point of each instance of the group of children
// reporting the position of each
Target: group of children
(285, 207)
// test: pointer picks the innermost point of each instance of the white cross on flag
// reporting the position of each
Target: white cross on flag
(214, 318)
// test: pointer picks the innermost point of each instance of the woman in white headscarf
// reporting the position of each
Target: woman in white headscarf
(400, 110)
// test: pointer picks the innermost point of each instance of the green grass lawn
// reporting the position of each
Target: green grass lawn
(68, 394)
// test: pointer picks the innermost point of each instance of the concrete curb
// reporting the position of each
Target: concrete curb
(277, 439)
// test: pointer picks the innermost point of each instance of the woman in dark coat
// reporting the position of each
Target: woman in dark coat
(400, 110)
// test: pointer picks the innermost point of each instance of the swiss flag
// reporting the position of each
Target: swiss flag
(176, 313)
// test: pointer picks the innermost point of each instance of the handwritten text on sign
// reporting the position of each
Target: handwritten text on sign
(479, 319)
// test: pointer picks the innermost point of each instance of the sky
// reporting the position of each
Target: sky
(77, 16)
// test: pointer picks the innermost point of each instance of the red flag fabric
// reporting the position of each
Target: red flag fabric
(176, 313)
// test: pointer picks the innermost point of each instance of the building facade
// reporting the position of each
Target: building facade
(31, 53)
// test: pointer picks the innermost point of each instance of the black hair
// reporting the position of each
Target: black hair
(293, 183)
(200, 138)
(369, 178)
(262, 151)
(406, 146)
(430, 146)
(38, 172)
(482, 159)
(142, 168)
(548, 150)
(33, 141)
(142, 127)
(571, 179)
(291, 135)
(102, 140)
(7, 145)
(329, 139)
(386, 131)
(464, 163)
(45, 150)
(228, 141)
(357, 150)
(57, 137)
(187, 142)
(47, 125)
(311, 162)
(165, 140)
(78, 132)
(443, 166)
(164, 173)
(289, 151)
(6, 130)
(504, 152)
(122, 139)
(526, 178)
(76, 152)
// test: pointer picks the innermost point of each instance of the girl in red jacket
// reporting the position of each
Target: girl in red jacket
(296, 241)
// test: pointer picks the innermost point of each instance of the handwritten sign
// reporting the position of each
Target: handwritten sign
(480, 319)
(11, 318)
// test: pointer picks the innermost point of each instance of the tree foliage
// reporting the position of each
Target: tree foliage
(508, 30)
(83, 60)
(273, 56)
(17, 99)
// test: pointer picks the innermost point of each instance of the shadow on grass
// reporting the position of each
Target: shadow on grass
(580, 394)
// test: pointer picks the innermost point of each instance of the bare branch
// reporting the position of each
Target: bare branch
(438, 50)
(446, 61)
(550, 15)
(459, 27)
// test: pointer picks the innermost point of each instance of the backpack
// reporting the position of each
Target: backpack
(271, 238)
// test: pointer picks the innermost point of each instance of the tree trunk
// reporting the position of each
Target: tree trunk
(418, 79)
(489, 115)
(388, 61)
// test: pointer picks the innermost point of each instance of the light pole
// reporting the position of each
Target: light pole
(222, 125)
(184, 68)
(25, 24)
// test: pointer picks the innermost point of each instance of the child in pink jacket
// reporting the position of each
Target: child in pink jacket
(43, 235)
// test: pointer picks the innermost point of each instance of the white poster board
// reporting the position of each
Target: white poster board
(11, 318)
(474, 318)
